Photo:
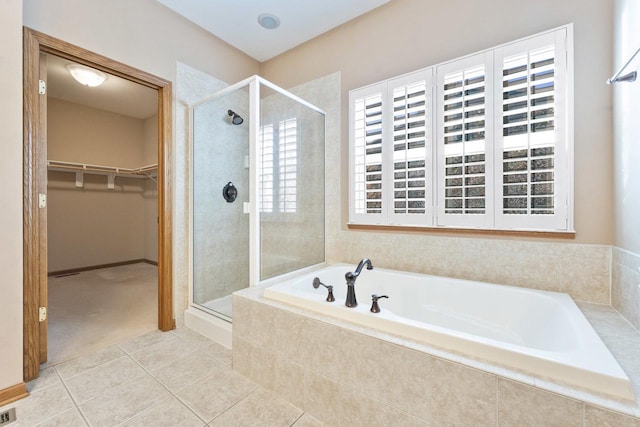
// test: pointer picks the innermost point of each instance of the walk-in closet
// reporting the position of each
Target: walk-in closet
(102, 217)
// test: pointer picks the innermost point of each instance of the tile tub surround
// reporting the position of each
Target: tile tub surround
(625, 284)
(344, 374)
(177, 378)
(582, 271)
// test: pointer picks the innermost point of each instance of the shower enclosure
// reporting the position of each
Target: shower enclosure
(257, 191)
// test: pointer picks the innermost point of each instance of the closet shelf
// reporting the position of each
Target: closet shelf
(149, 171)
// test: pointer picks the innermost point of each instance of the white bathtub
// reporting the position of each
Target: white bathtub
(540, 333)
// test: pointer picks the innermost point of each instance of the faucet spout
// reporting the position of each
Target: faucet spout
(351, 281)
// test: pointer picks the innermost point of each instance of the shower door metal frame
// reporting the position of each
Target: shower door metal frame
(254, 83)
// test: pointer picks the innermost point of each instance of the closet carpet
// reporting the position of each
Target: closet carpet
(95, 309)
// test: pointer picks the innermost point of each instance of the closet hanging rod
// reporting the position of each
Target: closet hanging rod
(629, 77)
(141, 172)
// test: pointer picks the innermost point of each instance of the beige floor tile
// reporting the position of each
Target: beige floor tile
(92, 383)
(307, 421)
(170, 412)
(260, 408)
(146, 340)
(220, 353)
(187, 371)
(47, 377)
(163, 353)
(213, 395)
(41, 405)
(192, 337)
(70, 418)
(121, 403)
(81, 364)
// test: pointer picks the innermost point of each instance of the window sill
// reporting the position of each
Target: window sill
(466, 231)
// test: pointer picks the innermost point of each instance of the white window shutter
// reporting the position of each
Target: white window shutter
(409, 149)
(531, 142)
(265, 174)
(464, 93)
(367, 205)
(287, 165)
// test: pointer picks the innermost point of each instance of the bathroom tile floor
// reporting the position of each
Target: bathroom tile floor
(177, 378)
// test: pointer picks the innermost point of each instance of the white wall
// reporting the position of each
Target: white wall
(11, 192)
(627, 129)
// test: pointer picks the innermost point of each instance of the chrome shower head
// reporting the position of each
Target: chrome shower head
(235, 119)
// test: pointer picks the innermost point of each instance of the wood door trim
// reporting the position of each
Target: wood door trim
(34, 43)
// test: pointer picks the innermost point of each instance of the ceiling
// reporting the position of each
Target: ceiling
(236, 22)
(115, 95)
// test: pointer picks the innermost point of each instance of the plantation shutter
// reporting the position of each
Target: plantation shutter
(287, 165)
(464, 142)
(366, 151)
(481, 142)
(531, 143)
(410, 165)
(265, 174)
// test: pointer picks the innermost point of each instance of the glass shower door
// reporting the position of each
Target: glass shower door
(221, 186)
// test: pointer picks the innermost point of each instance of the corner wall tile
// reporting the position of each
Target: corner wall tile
(462, 396)
(403, 380)
(520, 404)
(598, 417)
(323, 399)
(625, 284)
(289, 381)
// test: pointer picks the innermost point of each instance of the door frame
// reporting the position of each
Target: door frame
(34, 144)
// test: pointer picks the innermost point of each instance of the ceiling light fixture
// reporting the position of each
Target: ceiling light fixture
(86, 76)
(269, 21)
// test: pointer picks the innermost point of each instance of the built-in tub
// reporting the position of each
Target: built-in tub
(540, 333)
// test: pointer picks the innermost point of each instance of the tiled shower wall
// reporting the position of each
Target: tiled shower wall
(191, 86)
(625, 285)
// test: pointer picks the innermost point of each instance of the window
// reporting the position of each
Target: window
(278, 174)
(478, 142)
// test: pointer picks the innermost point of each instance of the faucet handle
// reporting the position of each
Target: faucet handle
(316, 284)
(374, 302)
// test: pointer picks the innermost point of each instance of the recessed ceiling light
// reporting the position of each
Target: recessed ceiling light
(269, 21)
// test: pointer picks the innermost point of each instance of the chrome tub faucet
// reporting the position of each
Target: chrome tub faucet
(351, 281)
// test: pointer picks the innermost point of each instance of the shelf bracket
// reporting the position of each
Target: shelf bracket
(111, 181)
(79, 179)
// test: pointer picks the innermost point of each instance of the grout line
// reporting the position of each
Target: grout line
(297, 419)
(171, 393)
(75, 404)
(236, 403)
